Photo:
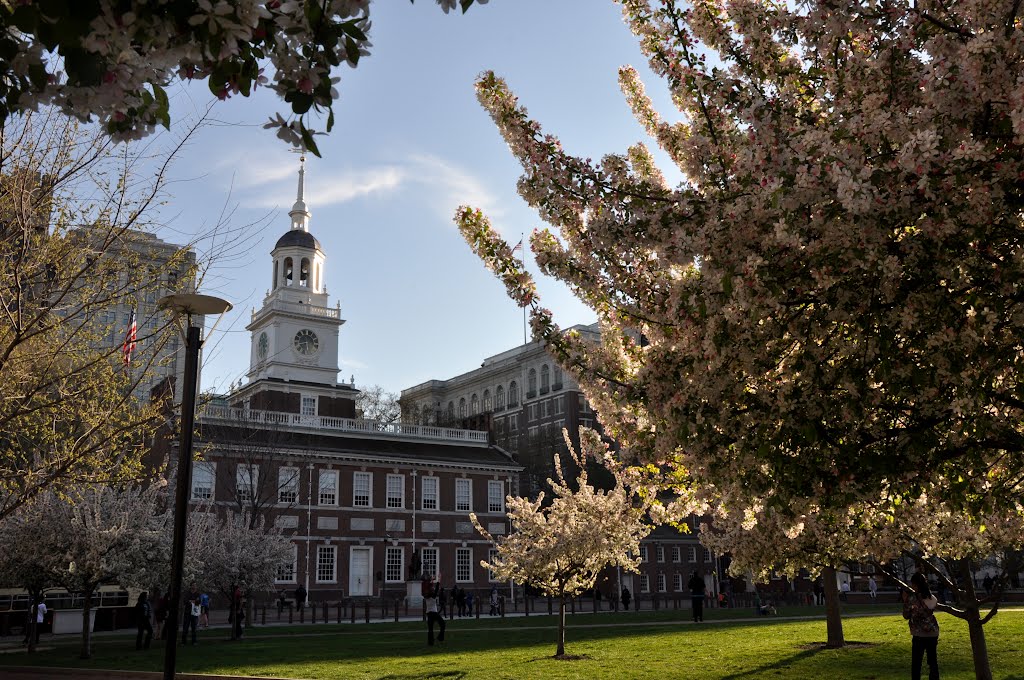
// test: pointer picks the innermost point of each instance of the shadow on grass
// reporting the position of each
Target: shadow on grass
(778, 665)
(452, 675)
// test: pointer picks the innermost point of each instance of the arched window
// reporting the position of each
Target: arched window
(462, 407)
(513, 394)
(531, 382)
(451, 411)
(287, 271)
(276, 268)
(558, 378)
(304, 273)
(474, 405)
(487, 401)
(545, 378)
(499, 398)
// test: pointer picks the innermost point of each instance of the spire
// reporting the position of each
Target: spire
(299, 213)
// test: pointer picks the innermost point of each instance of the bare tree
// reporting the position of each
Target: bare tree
(376, 403)
(72, 214)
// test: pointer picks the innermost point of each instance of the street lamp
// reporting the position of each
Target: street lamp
(188, 305)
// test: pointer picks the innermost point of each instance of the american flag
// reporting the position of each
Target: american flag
(129, 339)
(518, 247)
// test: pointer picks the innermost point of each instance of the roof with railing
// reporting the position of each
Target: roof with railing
(352, 427)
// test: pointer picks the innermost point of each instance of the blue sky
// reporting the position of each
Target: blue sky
(410, 144)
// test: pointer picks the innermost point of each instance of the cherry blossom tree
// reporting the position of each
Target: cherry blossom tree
(829, 300)
(93, 536)
(229, 550)
(113, 60)
(561, 547)
(23, 566)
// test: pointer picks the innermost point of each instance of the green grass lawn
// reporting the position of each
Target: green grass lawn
(650, 645)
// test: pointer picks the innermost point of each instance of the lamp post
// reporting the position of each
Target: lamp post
(187, 305)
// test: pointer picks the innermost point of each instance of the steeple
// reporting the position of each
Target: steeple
(299, 213)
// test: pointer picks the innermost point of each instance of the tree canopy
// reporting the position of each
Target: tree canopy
(113, 59)
(824, 316)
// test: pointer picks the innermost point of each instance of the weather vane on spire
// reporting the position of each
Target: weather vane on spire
(299, 212)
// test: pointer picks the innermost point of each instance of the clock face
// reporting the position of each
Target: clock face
(262, 346)
(306, 342)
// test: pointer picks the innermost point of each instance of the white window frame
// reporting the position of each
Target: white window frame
(467, 485)
(368, 476)
(677, 554)
(495, 499)
(287, 482)
(333, 500)
(247, 476)
(677, 582)
(331, 550)
(210, 468)
(429, 557)
(645, 583)
(463, 565)
(692, 554)
(430, 492)
(659, 552)
(395, 501)
(293, 568)
(662, 583)
(707, 555)
(643, 553)
(394, 571)
(304, 402)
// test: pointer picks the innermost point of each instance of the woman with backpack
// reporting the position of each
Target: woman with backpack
(919, 610)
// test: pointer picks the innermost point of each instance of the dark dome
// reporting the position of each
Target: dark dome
(297, 237)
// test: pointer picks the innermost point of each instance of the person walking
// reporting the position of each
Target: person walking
(460, 600)
(819, 592)
(190, 619)
(204, 610)
(697, 592)
(872, 587)
(238, 612)
(494, 601)
(143, 616)
(300, 598)
(919, 610)
(442, 599)
(626, 597)
(160, 613)
(40, 619)
(433, 615)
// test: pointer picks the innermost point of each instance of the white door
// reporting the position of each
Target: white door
(359, 572)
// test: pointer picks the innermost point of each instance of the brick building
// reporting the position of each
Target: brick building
(363, 502)
(521, 395)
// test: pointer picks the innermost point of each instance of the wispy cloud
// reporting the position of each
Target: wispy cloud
(452, 186)
(269, 182)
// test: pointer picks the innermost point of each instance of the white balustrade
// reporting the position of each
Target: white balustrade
(224, 414)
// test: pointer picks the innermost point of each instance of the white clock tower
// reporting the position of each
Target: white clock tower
(295, 332)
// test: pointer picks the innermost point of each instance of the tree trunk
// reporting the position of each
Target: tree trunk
(86, 628)
(561, 626)
(979, 647)
(833, 617)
